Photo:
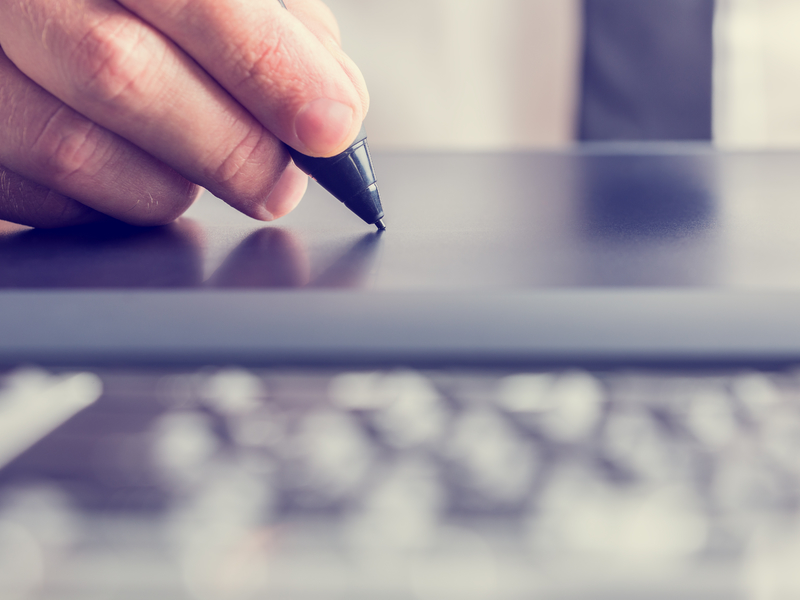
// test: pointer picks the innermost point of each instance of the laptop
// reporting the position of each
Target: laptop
(556, 375)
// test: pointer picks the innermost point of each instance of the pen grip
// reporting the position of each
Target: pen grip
(341, 182)
(348, 176)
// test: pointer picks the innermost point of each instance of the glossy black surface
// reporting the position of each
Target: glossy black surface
(681, 217)
(608, 252)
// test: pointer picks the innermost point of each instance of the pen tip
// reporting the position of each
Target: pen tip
(380, 225)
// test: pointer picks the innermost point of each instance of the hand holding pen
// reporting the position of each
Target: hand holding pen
(127, 108)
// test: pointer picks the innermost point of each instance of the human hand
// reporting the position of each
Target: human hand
(123, 109)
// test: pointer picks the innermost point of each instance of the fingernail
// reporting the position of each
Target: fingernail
(323, 125)
(288, 192)
(262, 214)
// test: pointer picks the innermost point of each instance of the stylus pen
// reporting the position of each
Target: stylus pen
(349, 176)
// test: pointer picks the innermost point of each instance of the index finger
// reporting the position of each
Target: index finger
(271, 63)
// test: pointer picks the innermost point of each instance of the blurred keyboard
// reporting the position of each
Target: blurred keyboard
(306, 484)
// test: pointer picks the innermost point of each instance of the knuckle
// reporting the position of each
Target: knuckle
(229, 167)
(247, 168)
(263, 59)
(66, 146)
(106, 61)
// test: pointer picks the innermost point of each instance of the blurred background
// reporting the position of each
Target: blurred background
(502, 74)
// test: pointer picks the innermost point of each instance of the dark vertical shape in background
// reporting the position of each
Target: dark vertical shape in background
(647, 70)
